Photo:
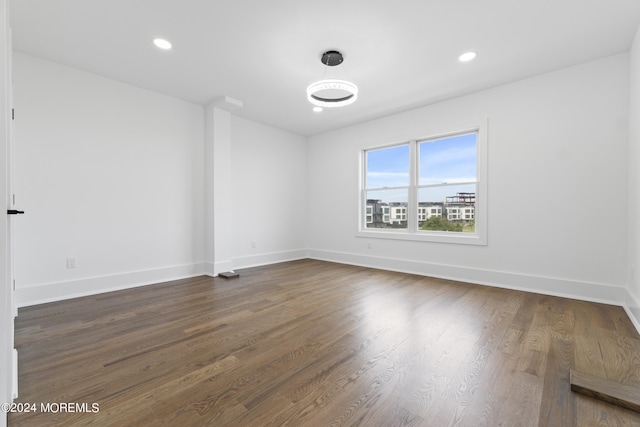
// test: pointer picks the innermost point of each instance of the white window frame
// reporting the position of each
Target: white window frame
(411, 233)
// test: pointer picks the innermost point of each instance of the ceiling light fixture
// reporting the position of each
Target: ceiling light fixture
(332, 92)
(162, 44)
(467, 56)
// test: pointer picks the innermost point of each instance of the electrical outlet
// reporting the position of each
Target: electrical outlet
(72, 262)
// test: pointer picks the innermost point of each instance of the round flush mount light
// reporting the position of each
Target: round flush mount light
(467, 56)
(162, 44)
(331, 93)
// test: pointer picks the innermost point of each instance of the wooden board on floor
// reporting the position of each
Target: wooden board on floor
(609, 391)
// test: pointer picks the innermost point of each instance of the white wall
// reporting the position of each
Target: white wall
(557, 147)
(108, 173)
(633, 302)
(269, 186)
(114, 175)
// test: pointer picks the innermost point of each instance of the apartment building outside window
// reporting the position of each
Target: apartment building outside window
(434, 189)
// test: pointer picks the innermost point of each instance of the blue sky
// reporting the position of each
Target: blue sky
(446, 160)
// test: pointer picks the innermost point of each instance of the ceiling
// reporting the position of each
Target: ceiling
(401, 54)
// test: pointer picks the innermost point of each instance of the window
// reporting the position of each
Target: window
(431, 189)
(387, 185)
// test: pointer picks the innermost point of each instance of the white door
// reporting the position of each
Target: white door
(11, 204)
(7, 307)
(8, 357)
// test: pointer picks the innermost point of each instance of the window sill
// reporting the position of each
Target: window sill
(435, 237)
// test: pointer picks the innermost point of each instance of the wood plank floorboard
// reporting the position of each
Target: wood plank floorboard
(608, 391)
(313, 343)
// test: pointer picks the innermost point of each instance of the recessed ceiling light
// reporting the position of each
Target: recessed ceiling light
(317, 109)
(162, 44)
(467, 56)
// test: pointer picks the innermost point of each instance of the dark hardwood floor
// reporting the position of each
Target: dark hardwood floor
(311, 343)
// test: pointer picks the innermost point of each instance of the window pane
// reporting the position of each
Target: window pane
(448, 160)
(388, 167)
(388, 209)
(448, 208)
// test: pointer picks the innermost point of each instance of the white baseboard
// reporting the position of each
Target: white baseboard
(221, 267)
(269, 258)
(586, 291)
(208, 268)
(49, 292)
(214, 268)
(632, 307)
